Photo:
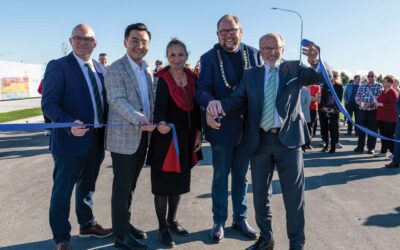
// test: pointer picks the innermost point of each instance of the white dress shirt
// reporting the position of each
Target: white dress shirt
(89, 84)
(141, 77)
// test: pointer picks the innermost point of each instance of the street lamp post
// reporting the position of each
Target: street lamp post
(301, 23)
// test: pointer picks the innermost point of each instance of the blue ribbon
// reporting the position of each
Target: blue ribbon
(42, 126)
(323, 71)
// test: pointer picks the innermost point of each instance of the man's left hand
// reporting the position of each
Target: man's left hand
(311, 51)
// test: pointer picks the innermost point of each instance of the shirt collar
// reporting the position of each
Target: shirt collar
(135, 66)
(82, 62)
(267, 67)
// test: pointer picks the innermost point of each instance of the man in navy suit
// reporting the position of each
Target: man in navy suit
(221, 70)
(73, 91)
(274, 131)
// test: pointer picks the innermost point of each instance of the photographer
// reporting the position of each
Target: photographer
(329, 114)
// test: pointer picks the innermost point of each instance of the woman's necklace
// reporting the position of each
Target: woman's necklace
(180, 80)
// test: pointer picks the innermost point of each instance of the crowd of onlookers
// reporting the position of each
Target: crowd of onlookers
(371, 104)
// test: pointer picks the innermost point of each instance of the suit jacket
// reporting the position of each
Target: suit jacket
(123, 95)
(250, 92)
(211, 86)
(66, 98)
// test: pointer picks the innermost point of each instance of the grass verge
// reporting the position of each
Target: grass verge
(19, 114)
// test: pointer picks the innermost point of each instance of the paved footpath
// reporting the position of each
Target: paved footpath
(351, 202)
(12, 105)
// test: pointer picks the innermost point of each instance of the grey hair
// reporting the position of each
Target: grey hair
(273, 35)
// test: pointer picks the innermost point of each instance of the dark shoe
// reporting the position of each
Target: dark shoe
(325, 148)
(332, 150)
(63, 246)
(358, 149)
(165, 237)
(392, 165)
(296, 248)
(217, 233)
(128, 242)
(176, 228)
(262, 244)
(309, 147)
(95, 230)
(303, 148)
(137, 233)
(244, 227)
(371, 152)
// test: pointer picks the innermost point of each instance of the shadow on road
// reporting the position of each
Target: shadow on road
(152, 242)
(76, 243)
(384, 220)
(23, 144)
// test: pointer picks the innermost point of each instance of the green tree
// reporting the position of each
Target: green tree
(345, 78)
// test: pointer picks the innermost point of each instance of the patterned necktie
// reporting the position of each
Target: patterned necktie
(267, 117)
(96, 93)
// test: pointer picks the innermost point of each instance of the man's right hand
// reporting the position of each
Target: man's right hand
(215, 108)
(146, 126)
(79, 130)
(212, 122)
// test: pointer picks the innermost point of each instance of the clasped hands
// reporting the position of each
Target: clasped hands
(214, 110)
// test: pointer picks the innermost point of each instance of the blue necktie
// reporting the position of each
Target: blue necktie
(267, 117)
(96, 93)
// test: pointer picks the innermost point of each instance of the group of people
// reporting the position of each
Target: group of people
(246, 100)
(373, 105)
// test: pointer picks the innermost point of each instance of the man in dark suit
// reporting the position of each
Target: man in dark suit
(275, 129)
(73, 91)
(221, 70)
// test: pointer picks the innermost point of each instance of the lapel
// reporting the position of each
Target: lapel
(99, 72)
(283, 70)
(77, 71)
(131, 75)
(260, 85)
(150, 88)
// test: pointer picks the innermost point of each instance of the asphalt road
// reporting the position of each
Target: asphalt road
(351, 202)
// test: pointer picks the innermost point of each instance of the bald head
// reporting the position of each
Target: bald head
(82, 27)
(83, 41)
(271, 48)
(275, 36)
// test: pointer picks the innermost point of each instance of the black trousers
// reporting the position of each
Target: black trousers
(126, 169)
(329, 126)
(352, 109)
(367, 119)
(314, 122)
(387, 129)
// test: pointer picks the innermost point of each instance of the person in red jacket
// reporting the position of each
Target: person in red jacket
(386, 115)
(47, 132)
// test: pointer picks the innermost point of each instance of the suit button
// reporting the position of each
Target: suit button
(241, 116)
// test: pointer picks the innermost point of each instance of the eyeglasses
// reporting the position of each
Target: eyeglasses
(371, 76)
(80, 39)
(270, 49)
(224, 32)
(136, 42)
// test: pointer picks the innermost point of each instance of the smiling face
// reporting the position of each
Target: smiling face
(177, 57)
(137, 45)
(271, 49)
(83, 41)
(229, 34)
